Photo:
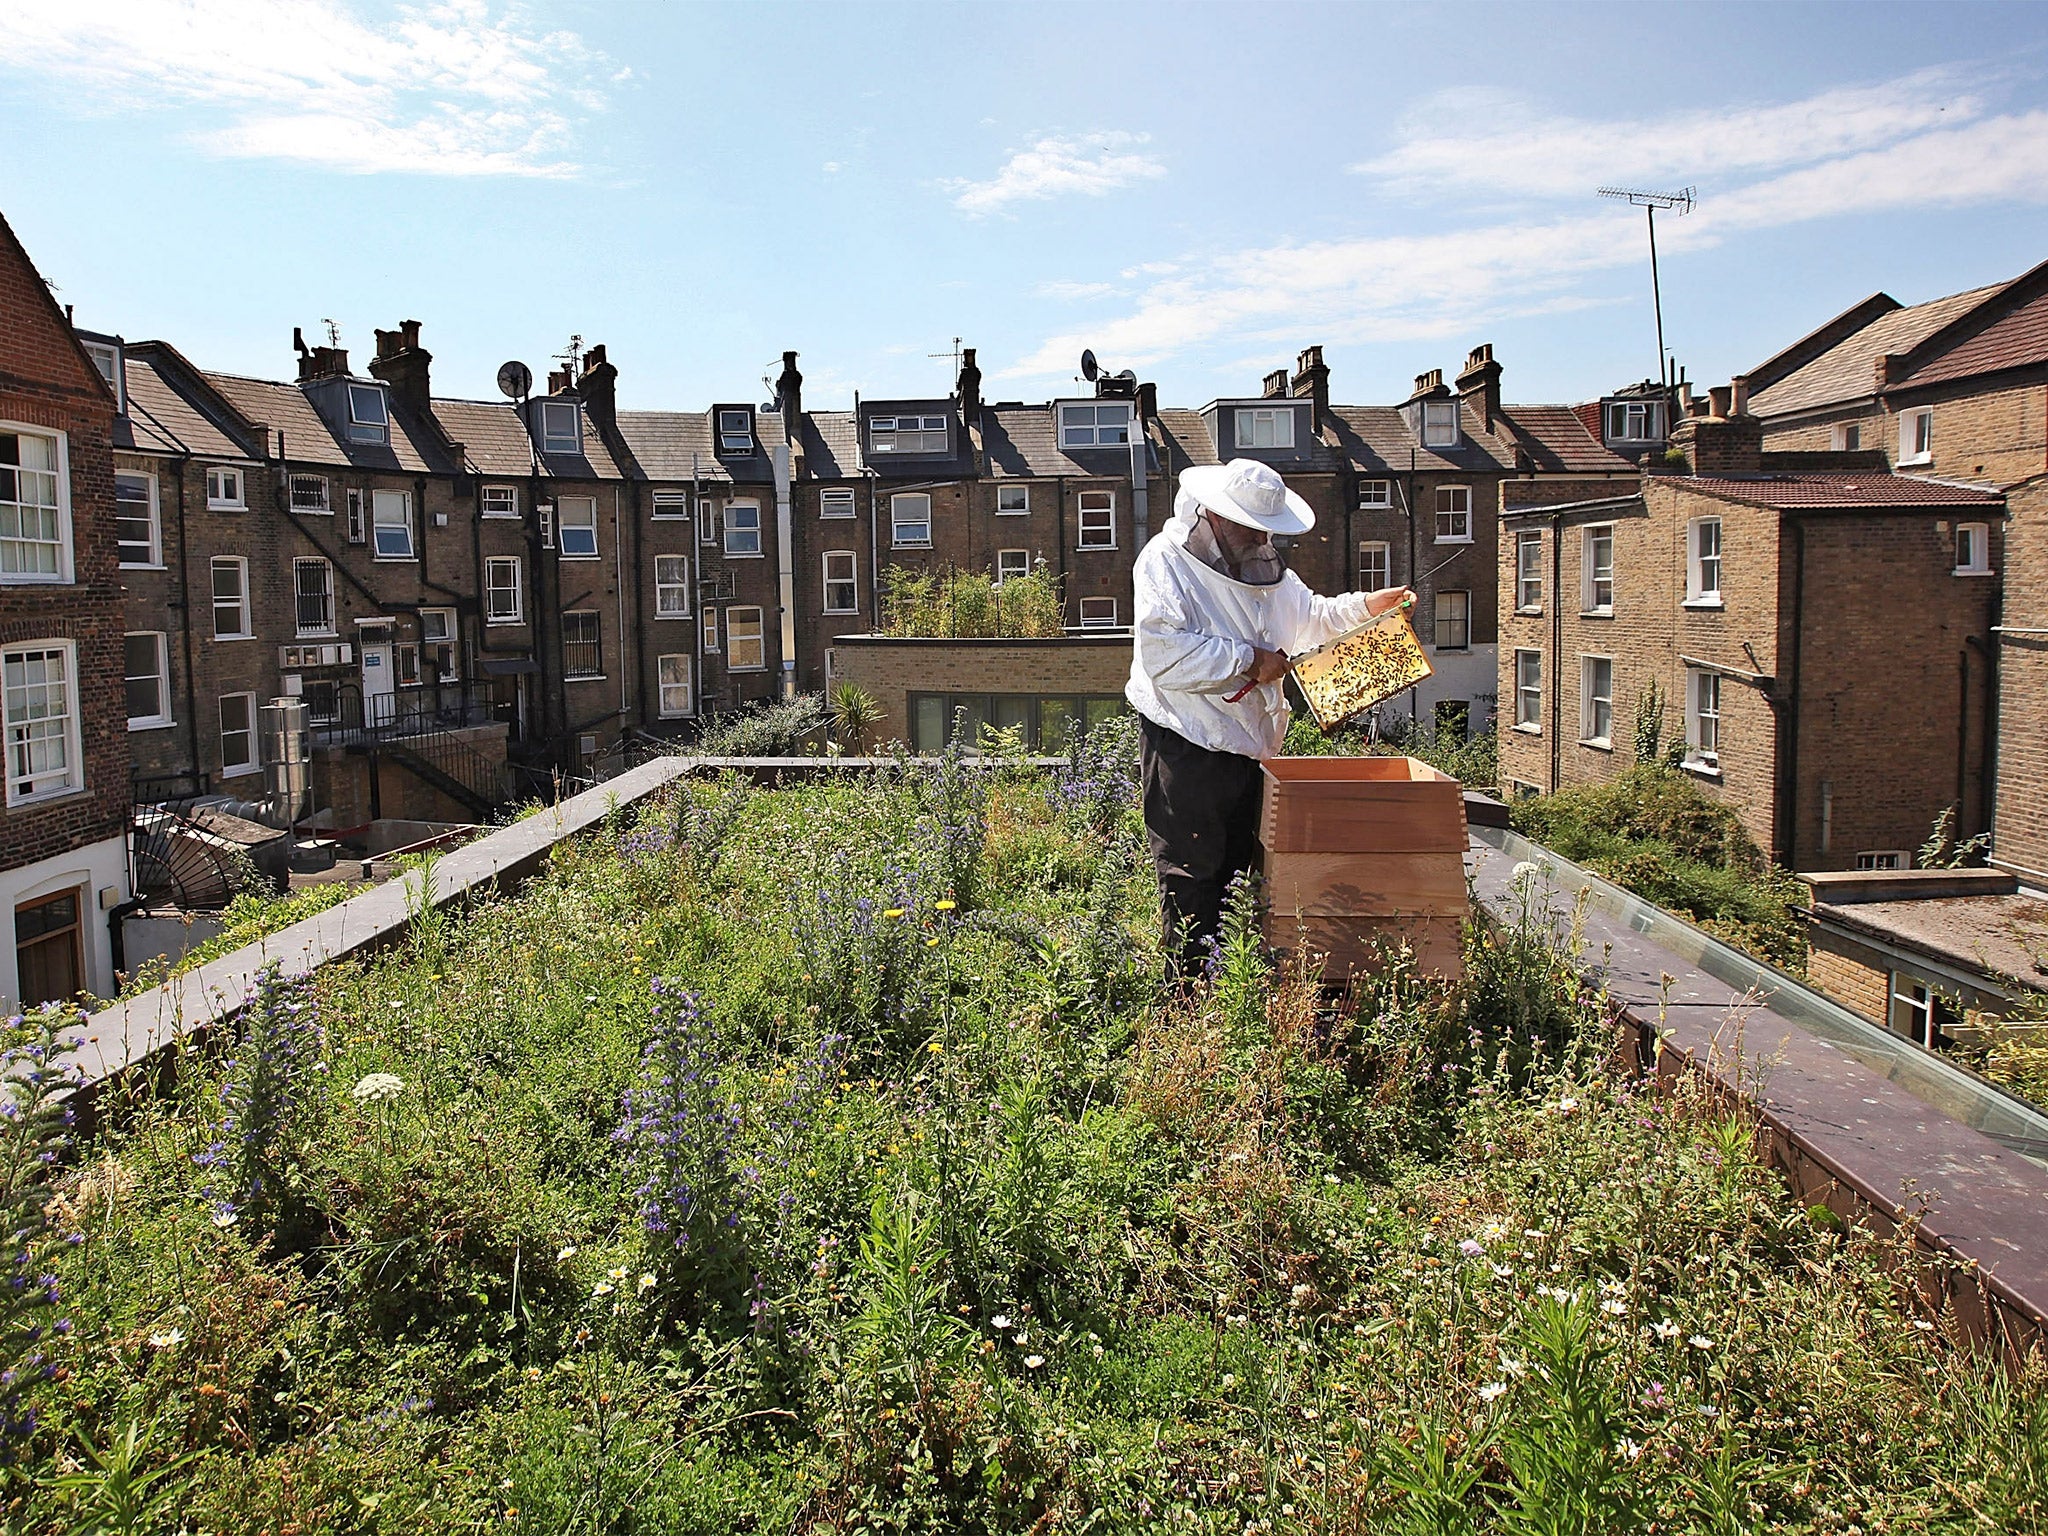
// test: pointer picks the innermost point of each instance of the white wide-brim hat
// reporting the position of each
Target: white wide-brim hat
(1248, 492)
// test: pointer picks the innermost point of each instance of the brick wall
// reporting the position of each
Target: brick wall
(1853, 974)
(2020, 837)
(892, 670)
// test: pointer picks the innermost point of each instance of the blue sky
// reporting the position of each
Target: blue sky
(1196, 191)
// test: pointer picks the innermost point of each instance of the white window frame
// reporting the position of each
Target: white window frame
(1590, 579)
(1843, 432)
(1095, 520)
(155, 562)
(380, 501)
(253, 762)
(1528, 571)
(1529, 691)
(245, 628)
(1375, 495)
(1973, 549)
(1704, 712)
(1590, 700)
(299, 627)
(710, 631)
(515, 612)
(671, 505)
(1082, 424)
(161, 676)
(1454, 514)
(735, 430)
(737, 537)
(1012, 565)
(544, 514)
(554, 440)
(1440, 424)
(1098, 613)
(1916, 436)
(899, 504)
(106, 357)
(500, 501)
(358, 516)
(1910, 995)
(1274, 423)
(595, 643)
(1872, 860)
(47, 785)
(836, 501)
(60, 455)
(676, 699)
(319, 504)
(758, 640)
(672, 596)
(849, 578)
(1703, 568)
(911, 432)
(1375, 565)
(449, 641)
(570, 531)
(1634, 421)
(369, 429)
(707, 521)
(1461, 617)
(1013, 501)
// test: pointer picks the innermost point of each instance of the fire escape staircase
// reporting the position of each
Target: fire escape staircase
(439, 756)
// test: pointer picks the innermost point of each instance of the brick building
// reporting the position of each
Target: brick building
(64, 812)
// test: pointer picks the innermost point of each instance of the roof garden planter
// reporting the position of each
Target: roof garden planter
(1363, 855)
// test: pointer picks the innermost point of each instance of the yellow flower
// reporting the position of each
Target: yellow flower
(935, 1047)
(942, 906)
(931, 943)
(893, 912)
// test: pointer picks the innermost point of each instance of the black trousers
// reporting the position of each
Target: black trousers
(1202, 820)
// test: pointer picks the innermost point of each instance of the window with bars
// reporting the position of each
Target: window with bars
(671, 586)
(582, 648)
(313, 597)
(309, 494)
(1452, 612)
(231, 598)
(138, 535)
(358, 520)
(842, 584)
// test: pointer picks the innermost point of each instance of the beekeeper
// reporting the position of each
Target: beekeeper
(1217, 612)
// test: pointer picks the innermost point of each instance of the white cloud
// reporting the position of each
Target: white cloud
(450, 88)
(1057, 167)
(1067, 291)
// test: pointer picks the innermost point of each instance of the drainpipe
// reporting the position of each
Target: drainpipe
(619, 574)
(1408, 497)
(1555, 680)
(1059, 504)
(1788, 705)
(874, 549)
(185, 598)
(1141, 506)
(785, 565)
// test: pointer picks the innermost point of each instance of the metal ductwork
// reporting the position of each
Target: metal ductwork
(287, 760)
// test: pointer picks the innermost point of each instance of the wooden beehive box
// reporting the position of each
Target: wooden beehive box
(1362, 853)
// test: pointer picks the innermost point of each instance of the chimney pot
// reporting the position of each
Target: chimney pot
(1718, 396)
(1275, 384)
(410, 330)
(1738, 395)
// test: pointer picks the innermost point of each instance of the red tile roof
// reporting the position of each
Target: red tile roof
(1560, 440)
(2014, 340)
(1839, 490)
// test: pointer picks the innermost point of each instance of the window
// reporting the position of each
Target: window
(231, 598)
(405, 663)
(1375, 495)
(1702, 562)
(711, 631)
(1094, 426)
(1265, 427)
(678, 697)
(1454, 514)
(1596, 585)
(1887, 858)
(1098, 519)
(35, 508)
(745, 649)
(907, 434)
(503, 500)
(1439, 423)
(368, 421)
(323, 701)
(1916, 436)
(358, 529)
(1703, 719)
(561, 427)
(1012, 563)
(237, 734)
(735, 431)
(136, 531)
(1098, 613)
(671, 586)
(1849, 437)
(504, 591)
(1596, 700)
(582, 652)
(391, 520)
(1973, 549)
(309, 494)
(149, 682)
(707, 521)
(577, 528)
(835, 501)
(1918, 1012)
(545, 512)
(1634, 421)
(842, 582)
(1453, 615)
(1529, 691)
(107, 359)
(1529, 572)
(910, 521)
(313, 590)
(439, 644)
(1013, 500)
(1373, 567)
(743, 528)
(41, 727)
(49, 949)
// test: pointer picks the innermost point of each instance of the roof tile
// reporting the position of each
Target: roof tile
(1839, 490)
(1848, 370)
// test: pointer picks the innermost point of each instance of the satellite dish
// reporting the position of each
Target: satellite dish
(1090, 369)
(515, 380)
(1128, 376)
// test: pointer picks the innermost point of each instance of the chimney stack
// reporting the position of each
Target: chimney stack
(1312, 383)
(1725, 440)
(789, 394)
(969, 385)
(1479, 383)
(558, 381)
(1148, 401)
(1274, 386)
(1430, 383)
(599, 388)
(403, 364)
(319, 362)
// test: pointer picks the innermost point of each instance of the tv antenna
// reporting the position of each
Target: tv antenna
(1681, 202)
(333, 331)
(571, 356)
(954, 354)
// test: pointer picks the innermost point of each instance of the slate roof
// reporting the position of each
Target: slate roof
(672, 446)
(1187, 438)
(1377, 441)
(161, 419)
(1848, 370)
(1847, 491)
(493, 440)
(309, 440)
(1557, 441)
(593, 463)
(2012, 340)
(831, 445)
(1022, 440)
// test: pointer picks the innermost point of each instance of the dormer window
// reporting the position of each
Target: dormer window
(1094, 426)
(907, 434)
(1439, 423)
(1265, 428)
(368, 420)
(561, 427)
(107, 358)
(735, 432)
(1634, 421)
